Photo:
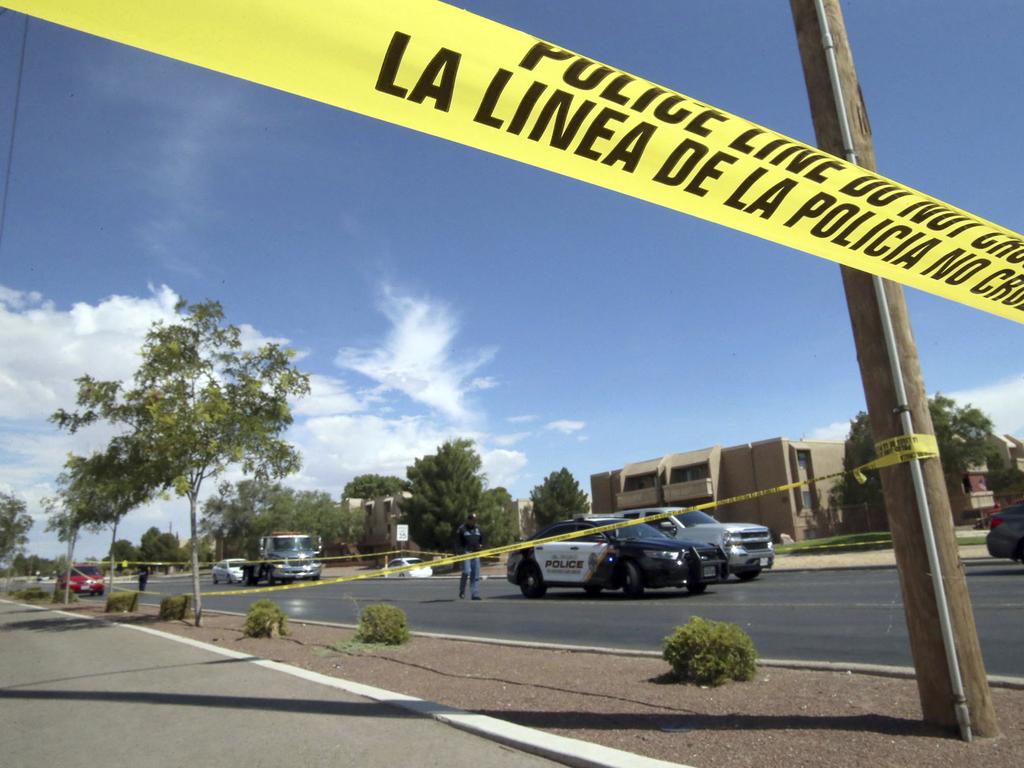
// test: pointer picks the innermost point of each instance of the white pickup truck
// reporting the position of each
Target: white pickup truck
(749, 547)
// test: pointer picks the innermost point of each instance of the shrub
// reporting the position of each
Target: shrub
(58, 596)
(31, 594)
(122, 602)
(175, 607)
(710, 652)
(265, 619)
(383, 624)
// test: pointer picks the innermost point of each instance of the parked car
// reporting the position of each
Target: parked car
(631, 558)
(86, 578)
(229, 570)
(1006, 533)
(748, 546)
(416, 573)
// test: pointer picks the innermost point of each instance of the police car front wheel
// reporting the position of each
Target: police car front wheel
(632, 579)
(531, 582)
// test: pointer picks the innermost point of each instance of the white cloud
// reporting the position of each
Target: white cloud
(510, 439)
(337, 448)
(46, 349)
(525, 419)
(327, 396)
(837, 430)
(483, 382)
(417, 359)
(1002, 401)
(565, 426)
(18, 299)
(502, 467)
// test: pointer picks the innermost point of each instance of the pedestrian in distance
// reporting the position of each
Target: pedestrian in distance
(469, 538)
(143, 577)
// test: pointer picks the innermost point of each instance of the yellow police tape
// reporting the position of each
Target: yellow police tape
(447, 72)
(895, 453)
(204, 566)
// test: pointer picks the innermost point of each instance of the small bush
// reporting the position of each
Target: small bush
(58, 596)
(122, 602)
(265, 619)
(175, 607)
(383, 624)
(710, 652)
(31, 594)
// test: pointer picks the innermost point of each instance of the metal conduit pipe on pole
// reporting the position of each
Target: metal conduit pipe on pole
(963, 717)
(940, 622)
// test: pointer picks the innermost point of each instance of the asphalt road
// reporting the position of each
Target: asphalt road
(840, 615)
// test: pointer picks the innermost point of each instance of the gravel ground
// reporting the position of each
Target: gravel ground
(783, 718)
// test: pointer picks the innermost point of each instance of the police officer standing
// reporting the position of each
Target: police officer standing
(469, 538)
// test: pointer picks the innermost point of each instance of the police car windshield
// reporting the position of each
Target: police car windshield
(637, 531)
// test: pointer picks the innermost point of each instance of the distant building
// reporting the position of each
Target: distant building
(1010, 450)
(380, 528)
(712, 474)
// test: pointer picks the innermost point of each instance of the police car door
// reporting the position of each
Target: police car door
(569, 562)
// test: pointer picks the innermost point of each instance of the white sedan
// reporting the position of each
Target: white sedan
(422, 572)
(229, 570)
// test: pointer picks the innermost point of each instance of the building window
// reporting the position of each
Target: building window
(803, 459)
(808, 501)
(689, 474)
(639, 482)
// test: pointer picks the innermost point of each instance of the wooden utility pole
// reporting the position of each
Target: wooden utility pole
(934, 683)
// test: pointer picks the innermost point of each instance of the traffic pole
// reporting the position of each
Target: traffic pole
(951, 678)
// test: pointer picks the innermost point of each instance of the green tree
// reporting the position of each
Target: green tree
(557, 498)
(496, 518)
(122, 550)
(71, 510)
(115, 482)
(243, 512)
(15, 523)
(200, 403)
(961, 432)
(159, 547)
(445, 488)
(239, 514)
(1003, 480)
(372, 486)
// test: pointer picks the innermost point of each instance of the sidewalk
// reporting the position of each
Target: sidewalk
(82, 688)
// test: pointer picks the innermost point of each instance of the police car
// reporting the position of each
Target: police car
(632, 558)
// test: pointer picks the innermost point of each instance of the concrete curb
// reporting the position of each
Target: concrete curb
(561, 749)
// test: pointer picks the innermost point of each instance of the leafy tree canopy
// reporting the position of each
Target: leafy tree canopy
(372, 486)
(199, 404)
(496, 518)
(158, 547)
(445, 487)
(559, 497)
(15, 523)
(961, 432)
(243, 512)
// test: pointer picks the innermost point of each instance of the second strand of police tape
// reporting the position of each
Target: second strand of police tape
(893, 451)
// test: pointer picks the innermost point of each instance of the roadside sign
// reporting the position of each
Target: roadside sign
(401, 532)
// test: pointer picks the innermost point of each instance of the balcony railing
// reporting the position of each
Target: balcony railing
(688, 491)
(644, 497)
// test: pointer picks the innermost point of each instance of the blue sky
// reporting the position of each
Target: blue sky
(435, 291)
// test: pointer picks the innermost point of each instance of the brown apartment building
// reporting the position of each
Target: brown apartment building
(716, 473)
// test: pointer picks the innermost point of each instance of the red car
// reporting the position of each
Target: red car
(85, 579)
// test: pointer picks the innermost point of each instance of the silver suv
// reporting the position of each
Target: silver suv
(748, 546)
